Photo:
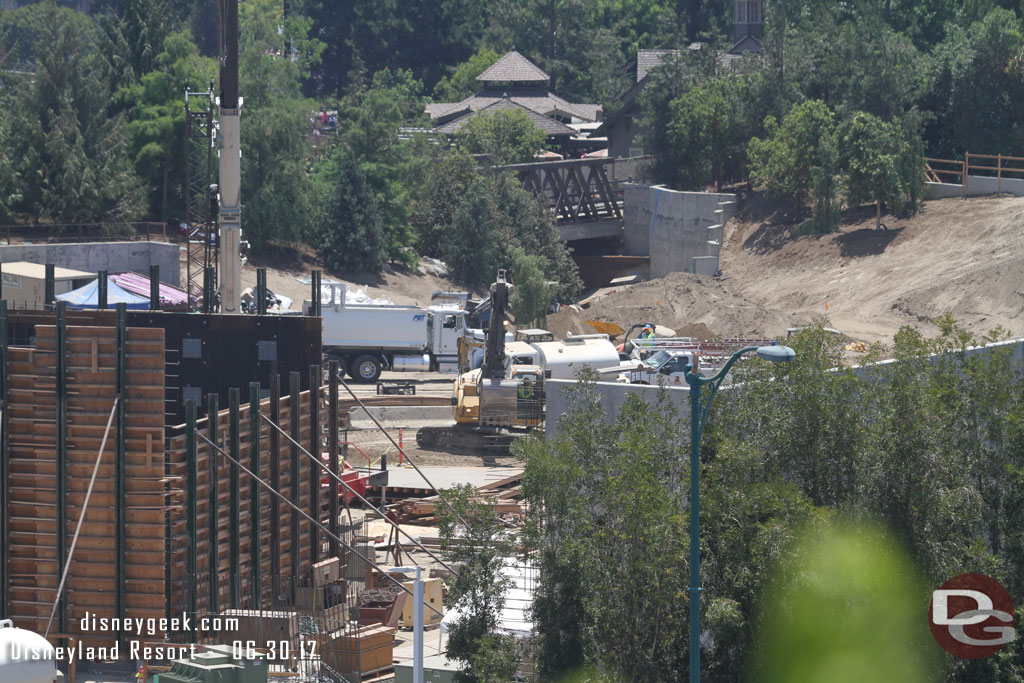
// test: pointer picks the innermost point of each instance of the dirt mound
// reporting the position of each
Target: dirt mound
(569, 319)
(692, 305)
(964, 257)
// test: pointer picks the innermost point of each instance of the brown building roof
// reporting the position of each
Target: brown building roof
(549, 126)
(538, 100)
(514, 67)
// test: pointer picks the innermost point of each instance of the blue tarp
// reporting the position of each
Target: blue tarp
(87, 296)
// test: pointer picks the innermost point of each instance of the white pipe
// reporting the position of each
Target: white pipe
(417, 633)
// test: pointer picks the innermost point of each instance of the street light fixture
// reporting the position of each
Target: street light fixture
(698, 418)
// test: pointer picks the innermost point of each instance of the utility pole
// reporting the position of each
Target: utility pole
(230, 155)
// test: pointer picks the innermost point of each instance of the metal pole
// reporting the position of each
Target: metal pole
(235, 446)
(314, 307)
(4, 465)
(101, 290)
(255, 556)
(49, 292)
(213, 505)
(315, 379)
(332, 449)
(191, 474)
(121, 458)
(62, 446)
(154, 287)
(694, 589)
(355, 553)
(293, 474)
(417, 634)
(275, 478)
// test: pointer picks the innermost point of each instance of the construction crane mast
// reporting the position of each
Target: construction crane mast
(230, 161)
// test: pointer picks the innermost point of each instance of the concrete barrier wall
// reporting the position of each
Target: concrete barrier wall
(96, 256)
(613, 396)
(976, 186)
(673, 227)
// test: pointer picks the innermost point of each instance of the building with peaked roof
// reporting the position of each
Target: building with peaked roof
(622, 129)
(514, 82)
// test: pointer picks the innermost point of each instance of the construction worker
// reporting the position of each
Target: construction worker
(647, 333)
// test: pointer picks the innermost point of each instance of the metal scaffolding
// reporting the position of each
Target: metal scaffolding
(200, 219)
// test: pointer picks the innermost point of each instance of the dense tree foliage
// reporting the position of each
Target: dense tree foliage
(900, 80)
(927, 448)
(507, 136)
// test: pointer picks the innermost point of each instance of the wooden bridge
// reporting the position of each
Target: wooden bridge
(586, 203)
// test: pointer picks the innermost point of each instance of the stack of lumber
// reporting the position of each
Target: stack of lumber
(503, 496)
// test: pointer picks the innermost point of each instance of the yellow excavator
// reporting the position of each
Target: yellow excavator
(495, 402)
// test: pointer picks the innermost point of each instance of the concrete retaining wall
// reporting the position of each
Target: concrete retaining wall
(675, 228)
(613, 396)
(96, 256)
(976, 186)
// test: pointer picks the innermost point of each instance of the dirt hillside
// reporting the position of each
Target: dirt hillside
(964, 257)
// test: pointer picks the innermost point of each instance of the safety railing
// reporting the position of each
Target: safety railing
(958, 171)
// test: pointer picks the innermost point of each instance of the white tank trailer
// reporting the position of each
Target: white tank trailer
(563, 359)
(25, 657)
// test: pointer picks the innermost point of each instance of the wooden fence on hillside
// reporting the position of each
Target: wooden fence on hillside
(958, 171)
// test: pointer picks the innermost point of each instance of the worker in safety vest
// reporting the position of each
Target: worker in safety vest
(647, 333)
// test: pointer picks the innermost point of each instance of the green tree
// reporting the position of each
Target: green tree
(473, 247)
(532, 295)
(507, 136)
(884, 163)
(370, 120)
(784, 160)
(71, 153)
(471, 535)
(351, 237)
(708, 132)
(462, 82)
(439, 196)
(975, 87)
(156, 127)
(275, 125)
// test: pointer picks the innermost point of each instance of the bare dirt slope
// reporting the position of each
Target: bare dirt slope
(964, 257)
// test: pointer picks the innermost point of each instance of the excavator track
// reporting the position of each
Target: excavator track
(469, 440)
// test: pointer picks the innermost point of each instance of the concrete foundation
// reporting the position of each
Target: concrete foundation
(96, 256)
(976, 186)
(674, 228)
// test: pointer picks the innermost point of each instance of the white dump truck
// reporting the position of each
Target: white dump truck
(562, 359)
(368, 338)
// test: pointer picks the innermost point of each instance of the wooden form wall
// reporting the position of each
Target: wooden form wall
(286, 543)
(49, 464)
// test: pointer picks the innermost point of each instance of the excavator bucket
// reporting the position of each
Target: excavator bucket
(611, 329)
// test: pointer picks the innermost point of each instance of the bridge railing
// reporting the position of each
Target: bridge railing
(577, 190)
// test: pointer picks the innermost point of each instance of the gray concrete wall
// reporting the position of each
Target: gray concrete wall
(96, 256)
(674, 228)
(613, 396)
(976, 186)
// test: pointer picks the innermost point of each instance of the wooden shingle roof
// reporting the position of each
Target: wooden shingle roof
(549, 126)
(514, 67)
(649, 59)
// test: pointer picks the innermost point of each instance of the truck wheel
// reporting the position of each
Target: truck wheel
(342, 366)
(366, 369)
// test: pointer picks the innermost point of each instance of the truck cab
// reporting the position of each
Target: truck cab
(447, 325)
(671, 364)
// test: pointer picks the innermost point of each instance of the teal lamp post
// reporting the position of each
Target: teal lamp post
(698, 418)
